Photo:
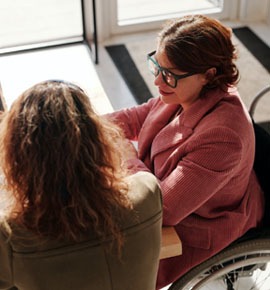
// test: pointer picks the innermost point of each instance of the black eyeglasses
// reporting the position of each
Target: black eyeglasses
(168, 77)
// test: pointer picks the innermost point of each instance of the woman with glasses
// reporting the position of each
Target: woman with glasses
(197, 138)
(72, 217)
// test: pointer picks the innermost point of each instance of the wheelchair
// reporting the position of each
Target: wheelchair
(244, 264)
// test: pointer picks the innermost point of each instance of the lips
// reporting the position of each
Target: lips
(163, 93)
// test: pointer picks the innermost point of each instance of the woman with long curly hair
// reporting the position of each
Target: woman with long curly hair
(198, 140)
(72, 211)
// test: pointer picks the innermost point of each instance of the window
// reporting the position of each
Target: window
(33, 23)
(138, 11)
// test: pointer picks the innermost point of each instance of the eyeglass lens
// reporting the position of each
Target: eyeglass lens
(168, 78)
(154, 69)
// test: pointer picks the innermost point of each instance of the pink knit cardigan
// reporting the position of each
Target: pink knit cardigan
(203, 159)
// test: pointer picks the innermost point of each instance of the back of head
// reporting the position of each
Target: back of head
(195, 43)
(62, 163)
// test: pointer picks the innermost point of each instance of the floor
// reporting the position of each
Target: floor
(72, 62)
(102, 82)
(113, 84)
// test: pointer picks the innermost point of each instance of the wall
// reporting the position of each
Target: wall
(243, 10)
(251, 10)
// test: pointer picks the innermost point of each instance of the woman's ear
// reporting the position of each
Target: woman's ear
(210, 74)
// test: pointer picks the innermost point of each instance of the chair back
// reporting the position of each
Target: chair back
(262, 152)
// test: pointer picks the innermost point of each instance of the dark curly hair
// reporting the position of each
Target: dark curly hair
(63, 164)
(195, 43)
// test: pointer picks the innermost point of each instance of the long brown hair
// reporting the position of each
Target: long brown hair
(195, 43)
(62, 163)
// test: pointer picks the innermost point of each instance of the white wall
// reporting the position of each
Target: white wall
(254, 10)
(243, 10)
(268, 19)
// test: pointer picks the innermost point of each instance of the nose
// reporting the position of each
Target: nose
(158, 80)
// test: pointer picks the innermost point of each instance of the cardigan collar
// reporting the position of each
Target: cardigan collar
(201, 107)
(181, 127)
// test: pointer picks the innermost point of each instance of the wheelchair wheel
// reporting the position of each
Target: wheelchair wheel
(242, 266)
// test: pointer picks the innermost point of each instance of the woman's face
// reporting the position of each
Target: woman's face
(187, 90)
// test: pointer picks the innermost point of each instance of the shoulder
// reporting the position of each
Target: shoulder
(227, 112)
(145, 180)
(230, 102)
(145, 193)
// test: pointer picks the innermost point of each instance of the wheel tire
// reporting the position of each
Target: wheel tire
(241, 252)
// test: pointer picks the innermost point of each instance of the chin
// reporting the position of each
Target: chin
(168, 100)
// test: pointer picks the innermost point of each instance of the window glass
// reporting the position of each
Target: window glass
(28, 22)
(138, 11)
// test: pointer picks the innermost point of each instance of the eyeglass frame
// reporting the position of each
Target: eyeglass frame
(162, 69)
